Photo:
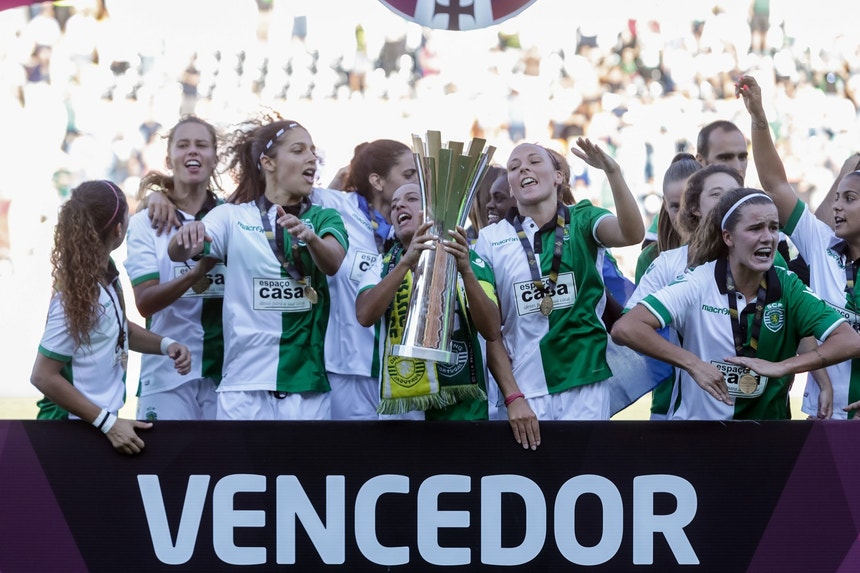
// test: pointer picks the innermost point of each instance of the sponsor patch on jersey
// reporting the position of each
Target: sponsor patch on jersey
(774, 317)
(837, 257)
(715, 309)
(281, 294)
(732, 374)
(852, 317)
(528, 297)
(363, 260)
(216, 281)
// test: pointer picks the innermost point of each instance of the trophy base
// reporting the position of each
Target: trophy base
(422, 353)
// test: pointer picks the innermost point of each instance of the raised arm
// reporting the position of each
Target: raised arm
(627, 227)
(161, 212)
(771, 172)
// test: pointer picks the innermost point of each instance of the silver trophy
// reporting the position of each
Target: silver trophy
(449, 181)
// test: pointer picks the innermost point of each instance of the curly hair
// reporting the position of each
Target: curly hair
(707, 243)
(157, 181)
(246, 146)
(378, 156)
(84, 222)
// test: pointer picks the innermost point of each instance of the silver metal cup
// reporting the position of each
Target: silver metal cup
(449, 181)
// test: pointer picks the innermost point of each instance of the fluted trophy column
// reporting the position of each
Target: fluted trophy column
(449, 181)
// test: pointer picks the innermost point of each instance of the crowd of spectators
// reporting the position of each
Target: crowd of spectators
(88, 85)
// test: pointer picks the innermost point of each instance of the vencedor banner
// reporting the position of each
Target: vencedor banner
(425, 497)
(457, 14)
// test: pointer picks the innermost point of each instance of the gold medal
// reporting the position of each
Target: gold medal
(546, 305)
(747, 383)
(311, 294)
(201, 285)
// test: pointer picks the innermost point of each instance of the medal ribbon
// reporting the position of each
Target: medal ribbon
(381, 227)
(113, 277)
(850, 274)
(276, 242)
(737, 329)
(562, 219)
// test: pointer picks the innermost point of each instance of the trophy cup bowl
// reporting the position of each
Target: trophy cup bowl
(449, 181)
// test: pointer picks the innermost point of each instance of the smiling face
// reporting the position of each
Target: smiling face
(532, 175)
(192, 154)
(752, 240)
(406, 211)
(500, 200)
(846, 208)
(713, 188)
(293, 165)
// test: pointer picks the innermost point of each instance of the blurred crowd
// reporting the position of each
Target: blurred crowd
(87, 86)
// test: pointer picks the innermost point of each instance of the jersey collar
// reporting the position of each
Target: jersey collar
(774, 287)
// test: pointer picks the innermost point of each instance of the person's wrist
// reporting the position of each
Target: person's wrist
(312, 239)
(511, 398)
(104, 421)
(165, 344)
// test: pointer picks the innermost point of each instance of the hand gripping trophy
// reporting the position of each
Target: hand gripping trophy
(449, 181)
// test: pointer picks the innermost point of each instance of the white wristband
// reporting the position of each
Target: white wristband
(165, 343)
(108, 423)
(100, 419)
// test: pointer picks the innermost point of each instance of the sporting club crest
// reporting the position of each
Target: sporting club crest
(774, 317)
(457, 14)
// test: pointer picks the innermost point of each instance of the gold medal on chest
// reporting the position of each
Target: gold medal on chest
(311, 294)
(202, 285)
(747, 383)
(546, 305)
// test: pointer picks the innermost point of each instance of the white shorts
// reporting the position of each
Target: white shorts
(193, 400)
(265, 405)
(589, 402)
(353, 397)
